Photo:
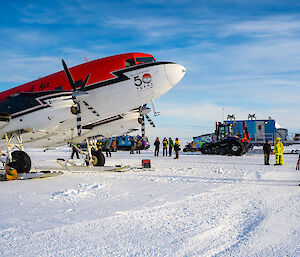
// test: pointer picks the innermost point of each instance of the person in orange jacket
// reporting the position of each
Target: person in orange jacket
(114, 145)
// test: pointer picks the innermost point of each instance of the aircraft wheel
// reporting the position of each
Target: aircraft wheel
(98, 159)
(23, 160)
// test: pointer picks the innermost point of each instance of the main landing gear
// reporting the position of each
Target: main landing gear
(21, 162)
(17, 159)
(92, 156)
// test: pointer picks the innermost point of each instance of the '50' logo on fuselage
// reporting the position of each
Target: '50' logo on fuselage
(143, 82)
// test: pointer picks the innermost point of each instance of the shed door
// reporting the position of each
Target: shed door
(259, 131)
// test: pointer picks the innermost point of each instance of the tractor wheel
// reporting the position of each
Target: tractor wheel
(205, 149)
(23, 160)
(235, 148)
(98, 159)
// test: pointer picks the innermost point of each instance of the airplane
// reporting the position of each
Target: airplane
(106, 97)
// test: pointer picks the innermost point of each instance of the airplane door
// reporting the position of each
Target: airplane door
(259, 131)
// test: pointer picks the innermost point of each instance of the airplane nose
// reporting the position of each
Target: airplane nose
(174, 72)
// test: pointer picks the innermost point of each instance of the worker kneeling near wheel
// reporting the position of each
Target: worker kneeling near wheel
(11, 172)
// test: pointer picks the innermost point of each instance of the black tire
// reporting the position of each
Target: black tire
(98, 158)
(23, 160)
(235, 148)
(205, 149)
(15, 165)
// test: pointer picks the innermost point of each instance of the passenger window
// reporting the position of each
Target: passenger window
(129, 62)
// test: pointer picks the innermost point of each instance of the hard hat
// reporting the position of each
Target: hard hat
(278, 139)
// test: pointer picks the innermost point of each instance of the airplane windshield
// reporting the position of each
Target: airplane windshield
(144, 59)
(138, 60)
(129, 62)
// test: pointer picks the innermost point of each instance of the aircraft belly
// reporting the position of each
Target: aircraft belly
(114, 128)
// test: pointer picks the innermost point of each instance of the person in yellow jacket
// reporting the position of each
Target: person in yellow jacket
(278, 151)
(177, 148)
(165, 147)
(99, 144)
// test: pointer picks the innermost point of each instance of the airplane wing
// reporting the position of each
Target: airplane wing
(58, 135)
(48, 109)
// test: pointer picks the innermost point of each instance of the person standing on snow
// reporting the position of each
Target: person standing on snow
(107, 146)
(114, 145)
(177, 148)
(138, 145)
(132, 141)
(267, 151)
(171, 144)
(156, 144)
(278, 151)
(298, 162)
(99, 144)
(75, 151)
(144, 143)
(165, 147)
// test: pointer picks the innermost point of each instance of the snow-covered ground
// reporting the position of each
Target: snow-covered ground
(195, 206)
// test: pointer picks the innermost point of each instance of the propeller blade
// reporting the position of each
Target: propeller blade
(143, 127)
(78, 120)
(150, 121)
(69, 75)
(85, 81)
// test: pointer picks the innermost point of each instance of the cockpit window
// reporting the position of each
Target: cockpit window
(144, 59)
(129, 62)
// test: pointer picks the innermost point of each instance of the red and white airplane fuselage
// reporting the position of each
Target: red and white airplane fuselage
(105, 99)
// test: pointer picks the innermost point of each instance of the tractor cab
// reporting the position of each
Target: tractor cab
(223, 130)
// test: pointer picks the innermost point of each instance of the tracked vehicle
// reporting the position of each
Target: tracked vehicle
(222, 142)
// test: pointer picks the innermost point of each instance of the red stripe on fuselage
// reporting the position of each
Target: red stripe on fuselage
(100, 70)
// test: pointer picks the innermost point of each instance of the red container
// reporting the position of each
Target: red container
(146, 163)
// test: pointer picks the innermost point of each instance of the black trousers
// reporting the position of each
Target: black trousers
(267, 158)
(74, 151)
(176, 154)
(108, 152)
(156, 151)
(165, 151)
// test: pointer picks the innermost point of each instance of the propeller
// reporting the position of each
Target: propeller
(144, 110)
(76, 109)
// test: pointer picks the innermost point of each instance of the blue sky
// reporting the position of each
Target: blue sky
(243, 56)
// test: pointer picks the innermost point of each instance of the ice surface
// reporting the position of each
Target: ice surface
(195, 206)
